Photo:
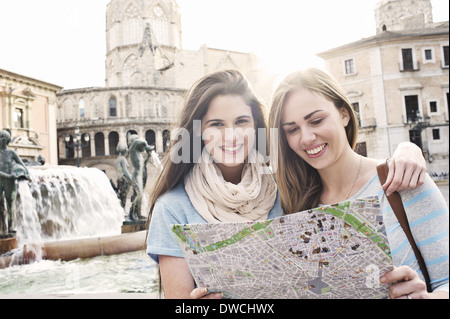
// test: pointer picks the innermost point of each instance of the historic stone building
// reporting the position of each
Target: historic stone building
(397, 81)
(147, 75)
(27, 110)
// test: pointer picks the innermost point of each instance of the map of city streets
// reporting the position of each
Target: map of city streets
(337, 251)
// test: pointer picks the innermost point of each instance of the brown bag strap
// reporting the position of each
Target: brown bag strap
(397, 206)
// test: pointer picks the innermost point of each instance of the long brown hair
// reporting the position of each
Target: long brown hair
(299, 184)
(227, 82)
(198, 98)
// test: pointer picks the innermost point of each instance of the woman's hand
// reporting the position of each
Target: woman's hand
(406, 284)
(202, 293)
(407, 169)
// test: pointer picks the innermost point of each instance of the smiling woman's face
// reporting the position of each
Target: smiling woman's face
(228, 130)
(314, 128)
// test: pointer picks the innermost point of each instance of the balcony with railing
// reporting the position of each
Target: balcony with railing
(409, 67)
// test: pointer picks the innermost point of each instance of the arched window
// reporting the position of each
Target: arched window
(132, 25)
(81, 105)
(112, 106)
(99, 144)
(113, 139)
(160, 25)
(150, 137)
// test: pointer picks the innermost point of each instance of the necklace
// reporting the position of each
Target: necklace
(357, 175)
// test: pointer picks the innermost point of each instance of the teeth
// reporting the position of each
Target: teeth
(315, 150)
(231, 149)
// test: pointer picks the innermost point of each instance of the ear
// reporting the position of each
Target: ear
(345, 116)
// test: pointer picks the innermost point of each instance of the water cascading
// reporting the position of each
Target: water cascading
(63, 204)
(156, 162)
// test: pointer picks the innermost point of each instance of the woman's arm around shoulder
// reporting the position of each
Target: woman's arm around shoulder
(407, 168)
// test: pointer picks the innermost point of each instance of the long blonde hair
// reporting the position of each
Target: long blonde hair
(299, 184)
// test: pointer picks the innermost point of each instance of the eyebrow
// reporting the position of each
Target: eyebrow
(307, 117)
(220, 120)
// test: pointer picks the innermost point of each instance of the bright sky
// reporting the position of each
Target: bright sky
(63, 41)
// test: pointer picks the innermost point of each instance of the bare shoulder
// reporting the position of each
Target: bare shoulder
(368, 168)
(370, 164)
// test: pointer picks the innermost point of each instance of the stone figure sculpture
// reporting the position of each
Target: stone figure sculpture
(124, 180)
(136, 146)
(12, 169)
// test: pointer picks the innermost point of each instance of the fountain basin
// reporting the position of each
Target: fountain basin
(79, 248)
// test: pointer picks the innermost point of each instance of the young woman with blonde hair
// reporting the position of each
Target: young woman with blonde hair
(317, 165)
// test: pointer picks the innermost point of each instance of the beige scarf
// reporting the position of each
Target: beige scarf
(217, 200)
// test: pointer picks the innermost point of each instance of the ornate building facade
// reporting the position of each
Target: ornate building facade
(397, 81)
(27, 110)
(147, 75)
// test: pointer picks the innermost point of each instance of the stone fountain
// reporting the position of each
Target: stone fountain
(135, 180)
(63, 213)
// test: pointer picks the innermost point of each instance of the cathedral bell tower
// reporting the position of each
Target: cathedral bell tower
(142, 37)
(398, 15)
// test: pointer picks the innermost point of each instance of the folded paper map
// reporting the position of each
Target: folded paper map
(336, 251)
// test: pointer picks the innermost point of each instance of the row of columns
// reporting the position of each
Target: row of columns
(159, 134)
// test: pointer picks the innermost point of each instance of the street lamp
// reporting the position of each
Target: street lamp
(77, 142)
